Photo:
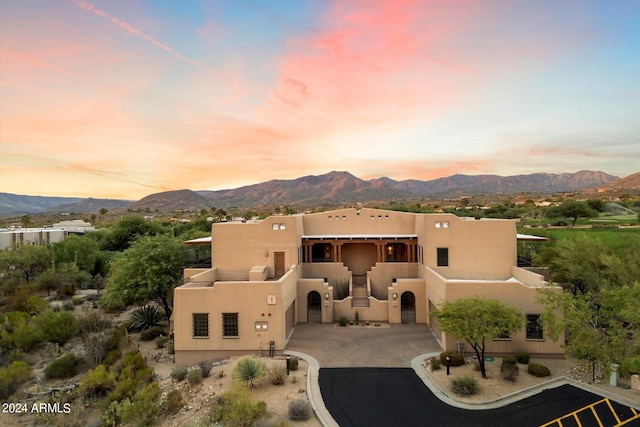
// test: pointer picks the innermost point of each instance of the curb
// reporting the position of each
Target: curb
(313, 389)
(416, 364)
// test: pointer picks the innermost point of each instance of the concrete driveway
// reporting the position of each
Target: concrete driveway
(387, 346)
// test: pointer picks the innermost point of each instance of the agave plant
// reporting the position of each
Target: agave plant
(250, 371)
(145, 317)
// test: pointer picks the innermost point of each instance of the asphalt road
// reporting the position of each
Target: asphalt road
(386, 397)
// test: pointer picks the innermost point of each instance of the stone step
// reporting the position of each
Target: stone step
(360, 302)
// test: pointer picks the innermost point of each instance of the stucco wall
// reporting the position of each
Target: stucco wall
(484, 249)
(417, 287)
(364, 221)
(382, 275)
(377, 312)
(239, 247)
(304, 286)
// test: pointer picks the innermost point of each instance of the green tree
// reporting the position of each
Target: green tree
(126, 231)
(79, 250)
(148, 270)
(571, 209)
(25, 262)
(600, 328)
(19, 332)
(476, 320)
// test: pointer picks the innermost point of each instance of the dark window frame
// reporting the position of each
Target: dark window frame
(442, 257)
(534, 327)
(200, 323)
(230, 325)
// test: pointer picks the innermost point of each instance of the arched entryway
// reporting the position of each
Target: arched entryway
(408, 307)
(314, 307)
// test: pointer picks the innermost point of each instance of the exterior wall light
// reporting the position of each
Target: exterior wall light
(326, 295)
(394, 295)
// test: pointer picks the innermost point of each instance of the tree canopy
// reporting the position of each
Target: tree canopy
(148, 270)
(571, 209)
(478, 319)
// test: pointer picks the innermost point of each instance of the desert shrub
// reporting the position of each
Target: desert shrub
(194, 376)
(35, 305)
(57, 327)
(141, 409)
(65, 366)
(249, 371)
(12, 376)
(509, 371)
(343, 321)
(435, 363)
(145, 317)
(18, 331)
(277, 375)
(538, 370)
(178, 374)
(457, 359)
(173, 402)
(152, 333)
(14, 356)
(465, 386)
(129, 381)
(523, 358)
(300, 410)
(205, 367)
(510, 360)
(112, 357)
(68, 306)
(293, 363)
(161, 341)
(90, 321)
(234, 408)
(133, 359)
(97, 382)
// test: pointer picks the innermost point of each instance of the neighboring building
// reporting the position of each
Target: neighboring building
(16, 236)
(389, 266)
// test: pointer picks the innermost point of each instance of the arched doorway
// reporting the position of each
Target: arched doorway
(314, 307)
(408, 308)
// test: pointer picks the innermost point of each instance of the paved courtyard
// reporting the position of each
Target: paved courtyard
(387, 346)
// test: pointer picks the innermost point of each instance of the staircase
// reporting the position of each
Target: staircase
(359, 296)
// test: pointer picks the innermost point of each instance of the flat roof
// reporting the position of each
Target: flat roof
(360, 236)
(200, 241)
(528, 237)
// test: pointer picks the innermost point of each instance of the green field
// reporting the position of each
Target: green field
(618, 239)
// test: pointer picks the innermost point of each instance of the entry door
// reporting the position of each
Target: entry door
(408, 308)
(278, 261)
(314, 307)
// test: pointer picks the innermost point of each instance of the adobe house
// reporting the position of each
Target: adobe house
(267, 276)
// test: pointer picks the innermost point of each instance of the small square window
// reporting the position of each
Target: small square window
(230, 325)
(283, 226)
(200, 325)
(445, 224)
(274, 226)
(438, 224)
(330, 216)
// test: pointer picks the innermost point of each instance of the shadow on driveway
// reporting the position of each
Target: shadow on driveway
(372, 397)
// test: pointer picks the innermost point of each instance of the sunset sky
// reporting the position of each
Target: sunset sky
(124, 98)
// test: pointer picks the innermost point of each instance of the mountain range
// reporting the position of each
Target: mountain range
(333, 188)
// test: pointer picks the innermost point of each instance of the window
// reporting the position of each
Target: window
(534, 327)
(201, 325)
(443, 257)
(438, 224)
(274, 226)
(283, 227)
(230, 325)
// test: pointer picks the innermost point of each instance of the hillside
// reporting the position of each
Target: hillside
(169, 201)
(330, 189)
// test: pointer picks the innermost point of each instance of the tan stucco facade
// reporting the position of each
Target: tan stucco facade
(394, 267)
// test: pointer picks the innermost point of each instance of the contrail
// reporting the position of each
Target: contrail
(133, 30)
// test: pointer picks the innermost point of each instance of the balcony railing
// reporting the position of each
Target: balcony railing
(188, 283)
